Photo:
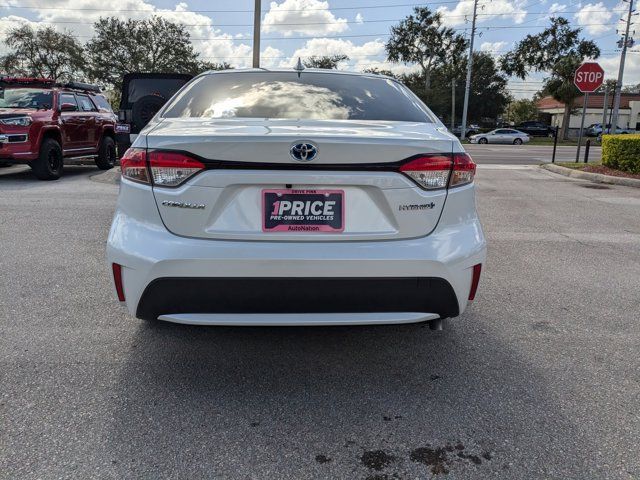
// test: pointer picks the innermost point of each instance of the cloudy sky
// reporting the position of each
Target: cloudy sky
(221, 29)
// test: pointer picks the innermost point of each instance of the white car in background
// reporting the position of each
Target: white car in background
(501, 135)
(308, 197)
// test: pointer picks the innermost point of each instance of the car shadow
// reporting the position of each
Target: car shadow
(341, 402)
(22, 175)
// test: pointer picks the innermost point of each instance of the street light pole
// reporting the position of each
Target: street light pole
(465, 105)
(625, 41)
(256, 33)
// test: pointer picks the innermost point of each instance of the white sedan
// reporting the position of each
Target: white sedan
(309, 197)
(501, 135)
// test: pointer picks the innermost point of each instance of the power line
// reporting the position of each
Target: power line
(363, 7)
(296, 24)
(496, 27)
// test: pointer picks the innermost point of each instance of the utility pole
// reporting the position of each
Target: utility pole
(257, 14)
(453, 103)
(465, 105)
(625, 42)
(604, 109)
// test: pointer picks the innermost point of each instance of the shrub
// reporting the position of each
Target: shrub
(621, 152)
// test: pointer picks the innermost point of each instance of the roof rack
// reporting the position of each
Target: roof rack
(88, 87)
(7, 80)
(48, 82)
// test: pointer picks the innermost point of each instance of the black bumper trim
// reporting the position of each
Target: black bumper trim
(165, 296)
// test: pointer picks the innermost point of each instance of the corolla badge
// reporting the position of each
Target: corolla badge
(193, 206)
(303, 152)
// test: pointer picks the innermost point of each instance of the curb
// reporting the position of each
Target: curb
(110, 176)
(593, 177)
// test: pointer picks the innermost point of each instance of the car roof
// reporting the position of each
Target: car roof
(302, 72)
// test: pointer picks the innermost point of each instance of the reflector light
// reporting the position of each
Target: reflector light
(170, 169)
(464, 169)
(431, 172)
(117, 280)
(133, 165)
(475, 279)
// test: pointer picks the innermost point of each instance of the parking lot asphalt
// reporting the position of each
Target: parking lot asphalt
(539, 379)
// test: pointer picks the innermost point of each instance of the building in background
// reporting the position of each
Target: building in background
(628, 118)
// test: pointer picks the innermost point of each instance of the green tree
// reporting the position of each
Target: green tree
(489, 96)
(152, 45)
(421, 38)
(558, 50)
(44, 52)
(610, 85)
(379, 71)
(326, 61)
(522, 110)
(205, 66)
(453, 68)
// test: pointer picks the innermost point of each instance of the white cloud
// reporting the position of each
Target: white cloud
(493, 47)
(270, 57)
(217, 47)
(557, 8)
(359, 18)
(463, 11)
(10, 22)
(302, 16)
(611, 63)
(367, 55)
(593, 14)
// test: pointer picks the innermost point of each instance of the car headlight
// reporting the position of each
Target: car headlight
(17, 121)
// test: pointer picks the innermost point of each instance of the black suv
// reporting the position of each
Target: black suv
(536, 129)
(142, 95)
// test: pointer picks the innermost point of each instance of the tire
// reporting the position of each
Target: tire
(50, 162)
(483, 141)
(106, 153)
(144, 109)
(517, 141)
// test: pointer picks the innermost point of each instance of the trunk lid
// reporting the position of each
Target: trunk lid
(248, 157)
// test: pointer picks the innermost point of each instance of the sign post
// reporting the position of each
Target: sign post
(584, 111)
(588, 78)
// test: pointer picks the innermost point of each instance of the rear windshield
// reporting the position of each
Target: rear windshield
(25, 98)
(289, 95)
(160, 87)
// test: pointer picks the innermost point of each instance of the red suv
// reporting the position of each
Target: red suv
(43, 122)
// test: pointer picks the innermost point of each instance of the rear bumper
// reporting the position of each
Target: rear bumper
(204, 281)
(231, 295)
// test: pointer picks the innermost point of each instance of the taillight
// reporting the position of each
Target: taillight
(475, 279)
(432, 172)
(464, 169)
(170, 169)
(133, 165)
(429, 171)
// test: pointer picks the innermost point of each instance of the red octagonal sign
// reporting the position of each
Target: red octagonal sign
(588, 77)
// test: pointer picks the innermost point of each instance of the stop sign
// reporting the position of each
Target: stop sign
(588, 77)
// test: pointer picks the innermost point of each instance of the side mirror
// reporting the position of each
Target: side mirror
(68, 107)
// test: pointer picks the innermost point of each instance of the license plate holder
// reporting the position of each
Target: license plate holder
(302, 211)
